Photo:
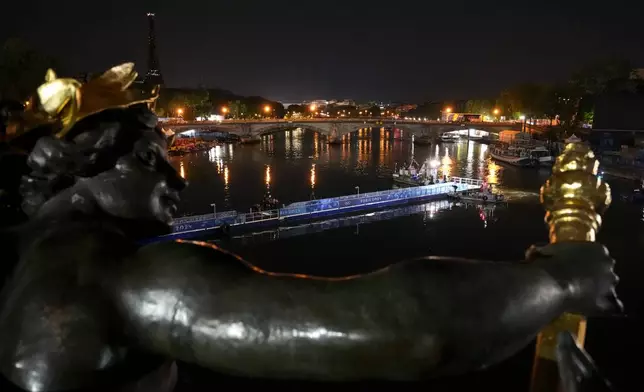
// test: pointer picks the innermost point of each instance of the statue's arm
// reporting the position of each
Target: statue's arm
(415, 319)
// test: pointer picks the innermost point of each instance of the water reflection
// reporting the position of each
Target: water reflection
(312, 178)
(446, 164)
(459, 151)
(296, 145)
(485, 213)
(215, 156)
(316, 145)
(345, 152)
(482, 151)
(431, 209)
(383, 149)
(268, 197)
(288, 141)
(268, 145)
(364, 150)
(227, 200)
(492, 170)
(363, 162)
(469, 169)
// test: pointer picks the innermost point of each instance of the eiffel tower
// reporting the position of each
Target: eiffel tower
(153, 76)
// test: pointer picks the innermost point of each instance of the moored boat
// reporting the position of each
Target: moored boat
(542, 154)
(413, 175)
(516, 156)
(483, 195)
(449, 138)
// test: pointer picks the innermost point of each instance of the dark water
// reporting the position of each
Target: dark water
(297, 165)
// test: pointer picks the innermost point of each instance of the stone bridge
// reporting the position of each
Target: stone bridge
(336, 129)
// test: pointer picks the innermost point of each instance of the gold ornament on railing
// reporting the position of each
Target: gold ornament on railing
(574, 198)
(62, 102)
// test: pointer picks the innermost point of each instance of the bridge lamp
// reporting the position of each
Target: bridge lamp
(180, 112)
(448, 110)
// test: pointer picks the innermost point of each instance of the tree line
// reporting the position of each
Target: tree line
(22, 70)
(202, 102)
(333, 110)
(567, 103)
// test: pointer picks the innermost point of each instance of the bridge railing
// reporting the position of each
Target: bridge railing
(257, 216)
(466, 181)
(203, 217)
(330, 204)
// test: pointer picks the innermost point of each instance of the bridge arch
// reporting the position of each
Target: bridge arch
(348, 129)
(486, 130)
(273, 128)
(339, 128)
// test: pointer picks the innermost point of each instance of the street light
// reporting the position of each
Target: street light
(496, 112)
(224, 110)
(448, 110)
(357, 190)
(267, 109)
(312, 107)
(180, 112)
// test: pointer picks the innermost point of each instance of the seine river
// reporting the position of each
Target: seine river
(297, 165)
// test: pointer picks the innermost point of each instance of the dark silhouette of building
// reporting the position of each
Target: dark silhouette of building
(620, 111)
(619, 120)
(153, 76)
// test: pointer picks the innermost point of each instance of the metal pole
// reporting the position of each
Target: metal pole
(545, 375)
(358, 189)
(214, 209)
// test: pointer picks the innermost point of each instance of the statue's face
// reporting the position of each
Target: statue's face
(142, 184)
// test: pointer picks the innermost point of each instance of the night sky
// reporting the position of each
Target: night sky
(380, 50)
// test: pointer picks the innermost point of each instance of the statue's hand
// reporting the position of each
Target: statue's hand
(584, 270)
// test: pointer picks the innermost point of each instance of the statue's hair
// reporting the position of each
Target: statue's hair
(91, 147)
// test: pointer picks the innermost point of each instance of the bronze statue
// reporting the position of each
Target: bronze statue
(578, 372)
(87, 307)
